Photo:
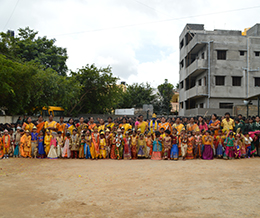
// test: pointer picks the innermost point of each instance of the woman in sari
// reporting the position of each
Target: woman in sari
(165, 125)
(202, 124)
(214, 124)
(40, 124)
(192, 126)
(50, 125)
(70, 126)
(91, 123)
(208, 146)
(142, 124)
(125, 125)
(61, 126)
(94, 150)
(28, 125)
(178, 125)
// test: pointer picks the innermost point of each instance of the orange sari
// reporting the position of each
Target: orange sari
(40, 126)
(61, 128)
(217, 122)
(91, 126)
(23, 141)
(1, 148)
(165, 126)
(95, 143)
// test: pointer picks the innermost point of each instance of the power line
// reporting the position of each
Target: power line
(160, 12)
(159, 21)
(11, 14)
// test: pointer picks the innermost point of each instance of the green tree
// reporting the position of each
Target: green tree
(165, 93)
(99, 92)
(27, 47)
(136, 95)
(26, 87)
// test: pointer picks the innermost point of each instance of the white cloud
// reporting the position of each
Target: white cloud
(141, 53)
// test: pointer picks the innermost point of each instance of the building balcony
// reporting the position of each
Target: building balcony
(195, 92)
(196, 67)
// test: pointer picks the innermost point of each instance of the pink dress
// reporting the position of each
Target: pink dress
(53, 152)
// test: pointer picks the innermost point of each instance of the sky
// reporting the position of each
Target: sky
(139, 39)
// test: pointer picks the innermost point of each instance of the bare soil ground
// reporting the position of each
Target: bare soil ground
(136, 188)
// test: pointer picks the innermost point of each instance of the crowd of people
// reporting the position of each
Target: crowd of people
(132, 138)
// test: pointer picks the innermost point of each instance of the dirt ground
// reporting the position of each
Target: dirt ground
(136, 188)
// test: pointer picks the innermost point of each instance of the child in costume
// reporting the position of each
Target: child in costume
(6, 140)
(53, 146)
(102, 146)
(157, 147)
(47, 141)
(229, 146)
(197, 144)
(141, 147)
(60, 141)
(34, 142)
(113, 146)
(190, 145)
(167, 141)
(41, 151)
(66, 149)
(134, 139)
(184, 146)
(17, 142)
(87, 145)
(149, 144)
(81, 146)
(74, 144)
(174, 150)
(27, 145)
(127, 149)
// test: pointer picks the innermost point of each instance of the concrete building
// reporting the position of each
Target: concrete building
(218, 69)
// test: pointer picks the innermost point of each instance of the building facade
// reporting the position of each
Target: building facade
(218, 69)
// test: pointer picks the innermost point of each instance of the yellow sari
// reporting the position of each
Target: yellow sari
(142, 126)
(70, 128)
(52, 124)
(179, 127)
(47, 142)
(28, 126)
(126, 126)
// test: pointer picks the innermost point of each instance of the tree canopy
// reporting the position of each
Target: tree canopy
(34, 74)
(27, 47)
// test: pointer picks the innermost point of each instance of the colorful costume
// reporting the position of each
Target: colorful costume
(189, 155)
(134, 146)
(34, 144)
(229, 149)
(219, 142)
(6, 144)
(60, 141)
(119, 147)
(174, 151)
(102, 148)
(47, 141)
(81, 149)
(52, 153)
(157, 149)
(66, 149)
(208, 147)
(27, 147)
(167, 147)
(74, 146)
(94, 150)
(127, 149)
(41, 145)
(197, 146)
